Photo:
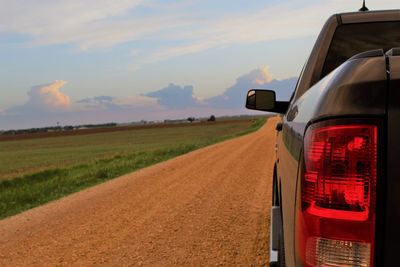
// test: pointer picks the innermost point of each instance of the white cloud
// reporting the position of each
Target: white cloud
(258, 76)
(48, 97)
(92, 24)
(42, 100)
(87, 24)
(288, 19)
(47, 16)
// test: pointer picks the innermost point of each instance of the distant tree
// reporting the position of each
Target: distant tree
(68, 128)
(212, 118)
(191, 119)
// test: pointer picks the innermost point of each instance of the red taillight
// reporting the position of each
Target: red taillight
(336, 218)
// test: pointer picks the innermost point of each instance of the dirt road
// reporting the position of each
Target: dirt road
(209, 207)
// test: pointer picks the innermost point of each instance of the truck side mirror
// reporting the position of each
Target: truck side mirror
(264, 100)
(258, 99)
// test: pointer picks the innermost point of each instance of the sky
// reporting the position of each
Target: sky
(97, 61)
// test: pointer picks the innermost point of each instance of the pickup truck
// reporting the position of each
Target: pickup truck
(336, 180)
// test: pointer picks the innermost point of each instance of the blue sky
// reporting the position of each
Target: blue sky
(131, 59)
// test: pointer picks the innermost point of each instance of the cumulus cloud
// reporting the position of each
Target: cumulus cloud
(180, 97)
(234, 96)
(258, 76)
(45, 98)
(175, 96)
(48, 96)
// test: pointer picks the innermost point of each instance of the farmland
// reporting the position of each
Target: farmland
(35, 171)
(206, 208)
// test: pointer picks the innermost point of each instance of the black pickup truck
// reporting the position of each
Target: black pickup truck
(336, 185)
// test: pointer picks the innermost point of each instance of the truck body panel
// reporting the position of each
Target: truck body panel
(391, 188)
(357, 89)
(349, 85)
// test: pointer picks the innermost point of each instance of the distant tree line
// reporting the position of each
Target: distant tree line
(104, 125)
(57, 128)
(212, 118)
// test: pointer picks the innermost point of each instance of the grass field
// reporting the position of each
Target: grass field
(35, 171)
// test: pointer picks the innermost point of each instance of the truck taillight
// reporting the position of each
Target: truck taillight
(335, 221)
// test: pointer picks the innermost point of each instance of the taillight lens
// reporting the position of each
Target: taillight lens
(336, 218)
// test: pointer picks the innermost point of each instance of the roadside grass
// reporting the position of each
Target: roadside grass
(31, 190)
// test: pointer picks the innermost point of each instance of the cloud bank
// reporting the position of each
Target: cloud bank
(234, 96)
(46, 103)
(175, 96)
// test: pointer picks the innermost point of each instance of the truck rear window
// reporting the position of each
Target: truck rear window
(351, 39)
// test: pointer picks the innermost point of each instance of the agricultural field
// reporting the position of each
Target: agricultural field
(34, 171)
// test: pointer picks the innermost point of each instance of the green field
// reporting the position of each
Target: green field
(35, 171)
